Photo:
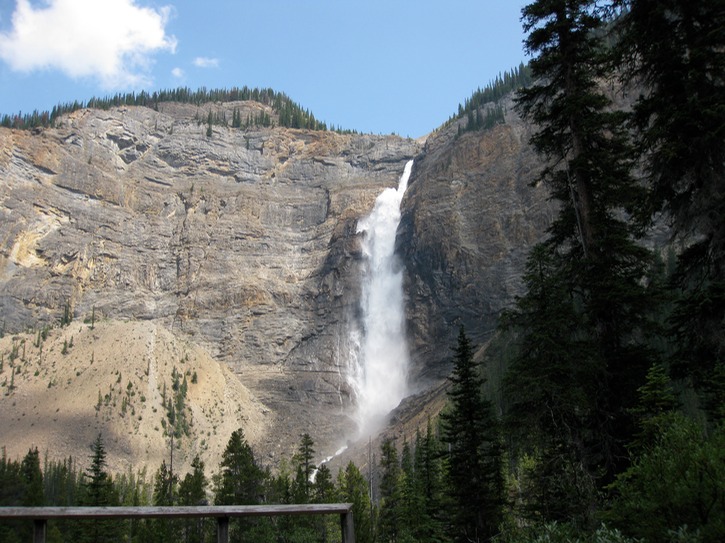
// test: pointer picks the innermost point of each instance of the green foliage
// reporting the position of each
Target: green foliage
(483, 109)
(674, 486)
(241, 478)
(584, 322)
(175, 405)
(353, 488)
(391, 523)
(290, 114)
(562, 533)
(193, 491)
(98, 490)
(67, 317)
(674, 49)
(471, 433)
(33, 477)
(304, 465)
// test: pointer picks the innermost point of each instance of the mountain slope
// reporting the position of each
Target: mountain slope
(116, 378)
(242, 244)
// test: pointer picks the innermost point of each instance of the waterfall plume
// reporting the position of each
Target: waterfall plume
(380, 352)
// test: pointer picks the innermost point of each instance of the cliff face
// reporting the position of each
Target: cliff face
(244, 243)
(470, 217)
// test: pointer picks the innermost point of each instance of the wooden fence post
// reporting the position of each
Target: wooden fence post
(348, 527)
(222, 529)
(39, 528)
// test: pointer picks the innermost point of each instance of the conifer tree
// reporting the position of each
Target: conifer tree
(674, 49)
(240, 478)
(390, 522)
(474, 451)
(192, 491)
(240, 482)
(353, 488)
(33, 478)
(591, 255)
(99, 492)
(99, 486)
(429, 485)
(165, 486)
(304, 463)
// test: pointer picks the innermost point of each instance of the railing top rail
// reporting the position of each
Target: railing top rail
(173, 511)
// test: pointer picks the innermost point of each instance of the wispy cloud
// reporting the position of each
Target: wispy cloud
(113, 40)
(178, 73)
(206, 62)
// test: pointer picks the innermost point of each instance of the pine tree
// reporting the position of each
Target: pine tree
(412, 500)
(474, 451)
(99, 492)
(165, 486)
(305, 466)
(33, 478)
(591, 256)
(353, 488)
(674, 49)
(165, 494)
(390, 522)
(240, 481)
(323, 491)
(99, 486)
(240, 477)
(192, 489)
(429, 486)
(550, 393)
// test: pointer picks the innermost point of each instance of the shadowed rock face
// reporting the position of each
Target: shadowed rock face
(468, 222)
(245, 242)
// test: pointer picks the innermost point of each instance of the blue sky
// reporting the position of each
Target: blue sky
(377, 66)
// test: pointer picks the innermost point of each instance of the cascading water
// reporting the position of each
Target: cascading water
(380, 351)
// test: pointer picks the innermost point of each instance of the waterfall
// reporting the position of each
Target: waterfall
(379, 354)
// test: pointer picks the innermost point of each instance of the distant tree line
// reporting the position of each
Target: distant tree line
(403, 497)
(483, 110)
(290, 114)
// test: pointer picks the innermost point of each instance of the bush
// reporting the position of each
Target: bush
(674, 490)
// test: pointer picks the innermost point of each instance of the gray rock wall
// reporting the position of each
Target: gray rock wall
(468, 222)
(245, 241)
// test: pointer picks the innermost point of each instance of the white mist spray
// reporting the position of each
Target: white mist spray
(380, 357)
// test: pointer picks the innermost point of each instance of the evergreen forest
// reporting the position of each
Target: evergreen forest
(289, 113)
(597, 411)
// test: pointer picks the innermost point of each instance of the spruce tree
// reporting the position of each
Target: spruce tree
(591, 256)
(165, 486)
(390, 522)
(353, 488)
(429, 485)
(674, 49)
(474, 451)
(99, 492)
(165, 494)
(305, 466)
(241, 479)
(99, 486)
(33, 478)
(240, 482)
(192, 491)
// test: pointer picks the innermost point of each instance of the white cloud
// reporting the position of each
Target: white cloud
(206, 62)
(111, 40)
(178, 73)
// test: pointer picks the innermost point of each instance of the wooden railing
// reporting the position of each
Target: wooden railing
(41, 515)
